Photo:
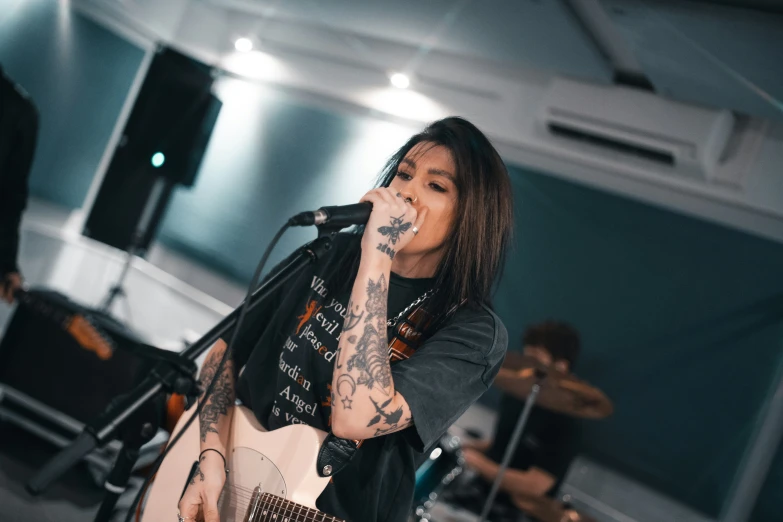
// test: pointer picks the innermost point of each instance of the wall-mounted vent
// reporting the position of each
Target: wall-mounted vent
(626, 148)
(618, 123)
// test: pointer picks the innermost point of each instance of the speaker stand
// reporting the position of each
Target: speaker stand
(159, 190)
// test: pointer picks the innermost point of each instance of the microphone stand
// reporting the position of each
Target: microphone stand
(131, 414)
(512, 444)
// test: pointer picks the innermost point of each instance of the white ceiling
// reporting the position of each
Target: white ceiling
(510, 33)
(492, 61)
(705, 52)
(708, 52)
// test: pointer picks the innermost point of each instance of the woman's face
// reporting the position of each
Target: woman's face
(427, 176)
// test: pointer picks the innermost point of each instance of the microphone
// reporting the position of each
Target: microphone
(337, 216)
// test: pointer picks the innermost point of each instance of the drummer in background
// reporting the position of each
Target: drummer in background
(549, 443)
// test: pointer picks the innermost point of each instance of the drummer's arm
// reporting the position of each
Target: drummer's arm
(507, 373)
(532, 482)
(507, 378)
(481, 445)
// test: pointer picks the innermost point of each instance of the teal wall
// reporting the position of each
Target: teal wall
(78, 74)
(682, 324)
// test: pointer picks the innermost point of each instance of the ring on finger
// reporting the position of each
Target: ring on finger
(180, 518)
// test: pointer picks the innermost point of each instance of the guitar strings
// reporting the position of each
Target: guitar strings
(280, 502)
(307, 511)
(242, 497)
(275, 505)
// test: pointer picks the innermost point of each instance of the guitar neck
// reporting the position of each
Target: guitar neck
(264, 505)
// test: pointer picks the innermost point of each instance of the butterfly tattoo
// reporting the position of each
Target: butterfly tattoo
(397, 227)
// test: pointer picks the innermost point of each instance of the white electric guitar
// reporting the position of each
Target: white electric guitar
(272, 474)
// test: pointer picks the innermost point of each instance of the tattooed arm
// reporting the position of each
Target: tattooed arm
(365, 403)
(215, 417)
(207, 482)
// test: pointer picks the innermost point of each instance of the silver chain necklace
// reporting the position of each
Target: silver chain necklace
(393, 322)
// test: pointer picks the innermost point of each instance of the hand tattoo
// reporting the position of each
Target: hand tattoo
(386, 250)
(396, 229)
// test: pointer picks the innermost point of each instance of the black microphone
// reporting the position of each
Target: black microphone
(338, 216)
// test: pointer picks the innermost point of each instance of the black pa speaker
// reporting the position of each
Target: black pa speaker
(164, 139)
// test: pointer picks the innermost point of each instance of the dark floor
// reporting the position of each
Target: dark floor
(74, 498)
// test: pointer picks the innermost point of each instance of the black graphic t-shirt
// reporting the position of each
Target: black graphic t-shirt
(288, 347)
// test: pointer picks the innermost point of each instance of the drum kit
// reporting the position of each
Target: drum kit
(528, 380)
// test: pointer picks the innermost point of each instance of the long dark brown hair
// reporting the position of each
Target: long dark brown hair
(475, 249)
(560, 339)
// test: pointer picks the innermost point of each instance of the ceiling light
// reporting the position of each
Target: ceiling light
(399, 80)
(243, 45)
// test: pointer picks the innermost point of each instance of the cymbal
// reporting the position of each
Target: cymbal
(548, 509)
(518, 361)
(560, 392)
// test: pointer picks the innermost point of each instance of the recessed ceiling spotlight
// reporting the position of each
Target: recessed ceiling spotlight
(399, 80)
(243, 45)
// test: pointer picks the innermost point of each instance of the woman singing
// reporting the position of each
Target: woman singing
(318, 353)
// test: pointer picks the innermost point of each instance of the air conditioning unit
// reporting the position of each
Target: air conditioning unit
(618, 123)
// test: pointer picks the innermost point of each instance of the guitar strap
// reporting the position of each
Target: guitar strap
(407, 336)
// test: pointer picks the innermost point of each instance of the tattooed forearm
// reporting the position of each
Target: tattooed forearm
(377, 297)
(390, 418)
(197, 472)
(222, 396)
(346, 387)
(355, 314)
(370, 357)
(370, 360)
(387, 416)
(365, 403)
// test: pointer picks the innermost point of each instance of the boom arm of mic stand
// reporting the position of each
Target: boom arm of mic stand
(104, 428)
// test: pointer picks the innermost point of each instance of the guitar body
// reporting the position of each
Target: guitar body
(281, 462)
